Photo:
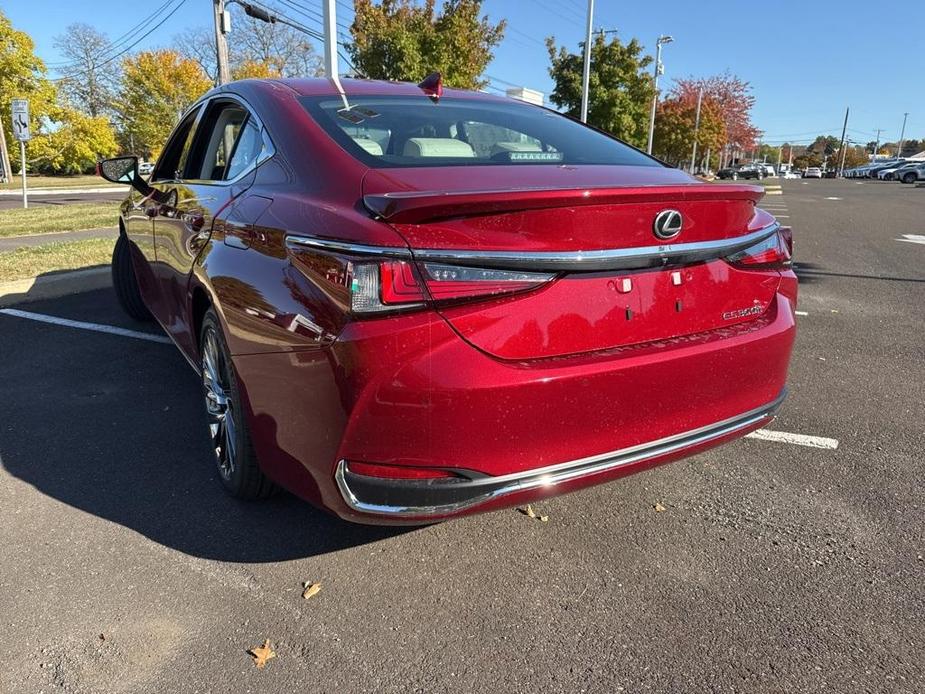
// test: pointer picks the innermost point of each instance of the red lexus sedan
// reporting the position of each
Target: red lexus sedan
(408, 304)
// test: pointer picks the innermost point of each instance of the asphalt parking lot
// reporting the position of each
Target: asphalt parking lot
(775, 566)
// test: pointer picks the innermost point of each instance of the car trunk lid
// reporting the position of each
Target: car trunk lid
(616, 282)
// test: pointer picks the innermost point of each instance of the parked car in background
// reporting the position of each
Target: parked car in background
(768, 169)
(445, 264)
(145, 167)
(874, 171)
(734, 173)
(895, 174)
(813, 172)
(913, 173)
(790, 174)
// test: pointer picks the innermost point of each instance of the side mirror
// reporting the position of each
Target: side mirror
(119, 170)
(124, 170)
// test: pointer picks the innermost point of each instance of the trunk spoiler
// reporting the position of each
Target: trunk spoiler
(421, 206)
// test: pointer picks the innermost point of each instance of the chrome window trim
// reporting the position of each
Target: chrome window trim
(564, 472)
(555, 261)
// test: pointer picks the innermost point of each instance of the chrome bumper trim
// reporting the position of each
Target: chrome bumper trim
(555, 261)
(484, 489)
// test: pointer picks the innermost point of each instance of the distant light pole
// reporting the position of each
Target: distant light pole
(659, 70)
(696, 130)
(902, 136)
(586, 69)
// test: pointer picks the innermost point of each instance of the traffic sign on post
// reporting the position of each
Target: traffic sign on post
(21, 120)
(20, 109)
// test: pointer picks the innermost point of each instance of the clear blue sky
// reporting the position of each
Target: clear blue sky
(802, 88)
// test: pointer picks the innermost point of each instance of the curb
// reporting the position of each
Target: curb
(61, 191)
(54, 285)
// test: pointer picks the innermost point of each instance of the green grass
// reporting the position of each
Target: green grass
(54, 182)
(46, 219)
(72, 255)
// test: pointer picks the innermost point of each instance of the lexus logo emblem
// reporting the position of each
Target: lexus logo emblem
(667, 224)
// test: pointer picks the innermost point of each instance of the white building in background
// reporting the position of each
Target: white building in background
(531, 96)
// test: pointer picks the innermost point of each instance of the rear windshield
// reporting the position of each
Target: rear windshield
(408, 131)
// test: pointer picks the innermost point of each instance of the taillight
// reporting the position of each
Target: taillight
(397, 284)
(376, 287)
(771, 253)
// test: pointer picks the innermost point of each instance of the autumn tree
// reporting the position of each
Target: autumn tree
(157, 87)
(734, 100)
(855, 156)
(74, 143)
(22, 75)
(91, 75)
(675, 125)
(401, 40)
(620, 91)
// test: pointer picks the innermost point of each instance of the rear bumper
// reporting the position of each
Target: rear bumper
(420, 499)
(408, 391)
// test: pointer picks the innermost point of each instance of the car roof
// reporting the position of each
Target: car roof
(323, 86)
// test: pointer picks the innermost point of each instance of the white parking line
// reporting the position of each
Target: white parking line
(782, 216)
(82, 325)
(801, 313)
(830, 198)
(913, 238)
(795, 439)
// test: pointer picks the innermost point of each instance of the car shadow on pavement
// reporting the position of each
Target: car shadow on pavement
(808, 273)
(114, 426)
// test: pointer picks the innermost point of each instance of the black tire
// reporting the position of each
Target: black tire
(909, 178)
(235, 458)
(124, 282)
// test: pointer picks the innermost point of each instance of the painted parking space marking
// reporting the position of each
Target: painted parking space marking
(794, 439)
(833, 198)
(83, 325)
(913, 238)
(801, 313)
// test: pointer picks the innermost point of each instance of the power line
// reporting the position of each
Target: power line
(127, 48)
(115, 44)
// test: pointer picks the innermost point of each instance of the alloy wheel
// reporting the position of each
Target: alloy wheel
(219, 403)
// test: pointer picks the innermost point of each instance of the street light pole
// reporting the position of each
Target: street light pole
(586, 69)
(659, 69)
(902, 136)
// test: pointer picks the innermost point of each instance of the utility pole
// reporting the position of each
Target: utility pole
(902, 136)
(780, 155)
(696, 129)
(844, 130)
(844, 151)
(6, 173)
(586, 69)
(659, 70)
(790, 161)
(222, 26)
(877, 145)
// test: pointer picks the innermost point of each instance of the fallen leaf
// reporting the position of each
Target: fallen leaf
(262, 654)
(545, 519)
(658, 508)
(529, 512)
(310, 589)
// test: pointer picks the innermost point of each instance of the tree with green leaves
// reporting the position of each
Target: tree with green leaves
(620, 90)
(404, 41)
(91, 74)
